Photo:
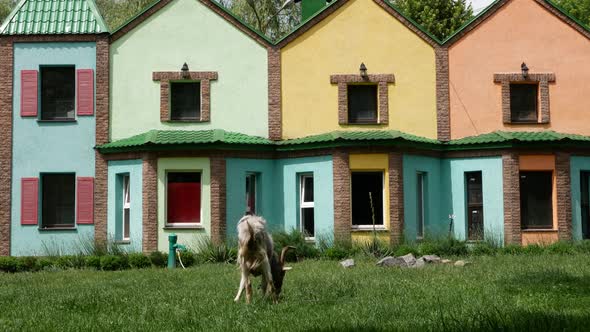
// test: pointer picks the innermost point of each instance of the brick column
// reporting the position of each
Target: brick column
(102, 137)
(275, 131)
(396, 198)
(218, 188)
(6, 73)
(443, 117)
(150, 203)
(342, 197)
(511, 176)
(564, 198)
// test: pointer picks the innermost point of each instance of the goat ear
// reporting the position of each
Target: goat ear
(287, 268)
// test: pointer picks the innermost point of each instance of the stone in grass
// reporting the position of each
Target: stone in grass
(446, 261)
(420, 262)
(403, 261)
(431, 259)
(461, 263)
(347, 263)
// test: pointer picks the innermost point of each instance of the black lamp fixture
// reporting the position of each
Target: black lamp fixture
(184, 70)
(363, 70)
(525, 70)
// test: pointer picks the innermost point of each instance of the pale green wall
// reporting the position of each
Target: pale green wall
(188, 237)
(133, 168)
(493, 203)
(187, 31)
(577, 164)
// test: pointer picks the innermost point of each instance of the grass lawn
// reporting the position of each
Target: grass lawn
(547, 292)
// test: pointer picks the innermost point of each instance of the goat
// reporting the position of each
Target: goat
(256, 256)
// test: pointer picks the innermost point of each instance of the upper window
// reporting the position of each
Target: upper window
(183, 198)
(58, 91)
(367, 198)
(362, 103)
(58, 200)
(523, 102)
(307, 206)
(185, 101)
(536, 207)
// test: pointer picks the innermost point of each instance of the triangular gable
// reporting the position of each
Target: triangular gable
(496, 5)
(212, 5)
(54, 17)
(337, 4)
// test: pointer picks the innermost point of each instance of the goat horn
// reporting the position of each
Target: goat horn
(283, 252)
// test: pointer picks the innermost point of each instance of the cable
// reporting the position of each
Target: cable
(180, 259)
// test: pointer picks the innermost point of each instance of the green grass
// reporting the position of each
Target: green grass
(540, 292)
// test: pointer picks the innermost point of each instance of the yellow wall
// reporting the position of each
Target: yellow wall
(360, 31)
(373, 162)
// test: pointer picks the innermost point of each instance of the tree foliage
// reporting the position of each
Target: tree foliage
(580, 9)
(441, 18)
(117, 12)
(5, 8)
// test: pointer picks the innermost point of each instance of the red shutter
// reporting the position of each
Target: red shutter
(29, 201)
(85, 92)
(28, 92)
(85, 201)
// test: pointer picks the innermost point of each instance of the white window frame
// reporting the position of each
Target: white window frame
(181, 225)
(305, 205)
(422, 201)
(126, 206)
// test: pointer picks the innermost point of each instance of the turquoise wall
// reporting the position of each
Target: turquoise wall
(133, 168)
(493, 203)
(267, 197)
(188, 31)
(577, 164)
(435, 217)
(49, 147)
(289, 171)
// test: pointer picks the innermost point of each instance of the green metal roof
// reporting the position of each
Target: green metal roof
(374, 135)
(53, 17)
(519, 137)
(184, 137)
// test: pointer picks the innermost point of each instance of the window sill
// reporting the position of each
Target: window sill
(58, 121)
(543, 230)
(369, 229)
(123, 242)
(185, 121)
(50, 229)
(182, 227)
(526, 123)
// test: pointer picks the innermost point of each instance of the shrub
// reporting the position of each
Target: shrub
(138, 261)
(561, 248)
(483, 249)
(44, 263)
(375, 248)
(583, 247)
(428, 248)
(210, 252)
(111, 262)
(158, 259)
(9, 264)
(405, 249)
(28, 263)
(533, 249)
(295, 238)
(188, 258)
(64, 262)
(92, 262)
(511, 249)
(336, 253)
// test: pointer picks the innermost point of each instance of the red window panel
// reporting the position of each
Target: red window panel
(85, 200)
(28, 92)
(29, 201)
(85, 92)
(184, 202)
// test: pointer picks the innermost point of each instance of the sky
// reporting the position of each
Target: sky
(480, 4)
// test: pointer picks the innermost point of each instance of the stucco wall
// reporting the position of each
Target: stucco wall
(41, 147)
(187, 31)
(520, 31)
(132, 168)
(360, 31)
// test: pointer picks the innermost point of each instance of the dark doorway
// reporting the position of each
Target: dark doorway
(475, 227)
(536, 208)
(585, 202)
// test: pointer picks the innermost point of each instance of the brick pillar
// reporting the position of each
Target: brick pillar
(218, 188)
(6, 72)
(443, 117)
(150, 203)
(396, 198)
(102, 137)
(564, 198)
(511, 175)
(275, 130)
(342, 210)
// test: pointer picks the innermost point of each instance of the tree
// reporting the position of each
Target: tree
(6, 7)
(117, 12)
(580, 9)
(441, 18)
(266, 16)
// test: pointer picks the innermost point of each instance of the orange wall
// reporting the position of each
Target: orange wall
(521, 30)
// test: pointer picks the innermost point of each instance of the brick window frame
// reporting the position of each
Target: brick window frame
(167, 77)
(381, 80)
(541, 79)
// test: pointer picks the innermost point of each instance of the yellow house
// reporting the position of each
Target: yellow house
(353, 53)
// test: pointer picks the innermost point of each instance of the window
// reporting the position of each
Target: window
(523, 102)
(126, 207)
(58, 91)
(536, 208)
(367, 198)
(185, 101)
(183, 198)
(420, 184)
(362, 103)
(475, 227)
(307, 206)
(585, 203)
(251, 183)
(58, 200)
